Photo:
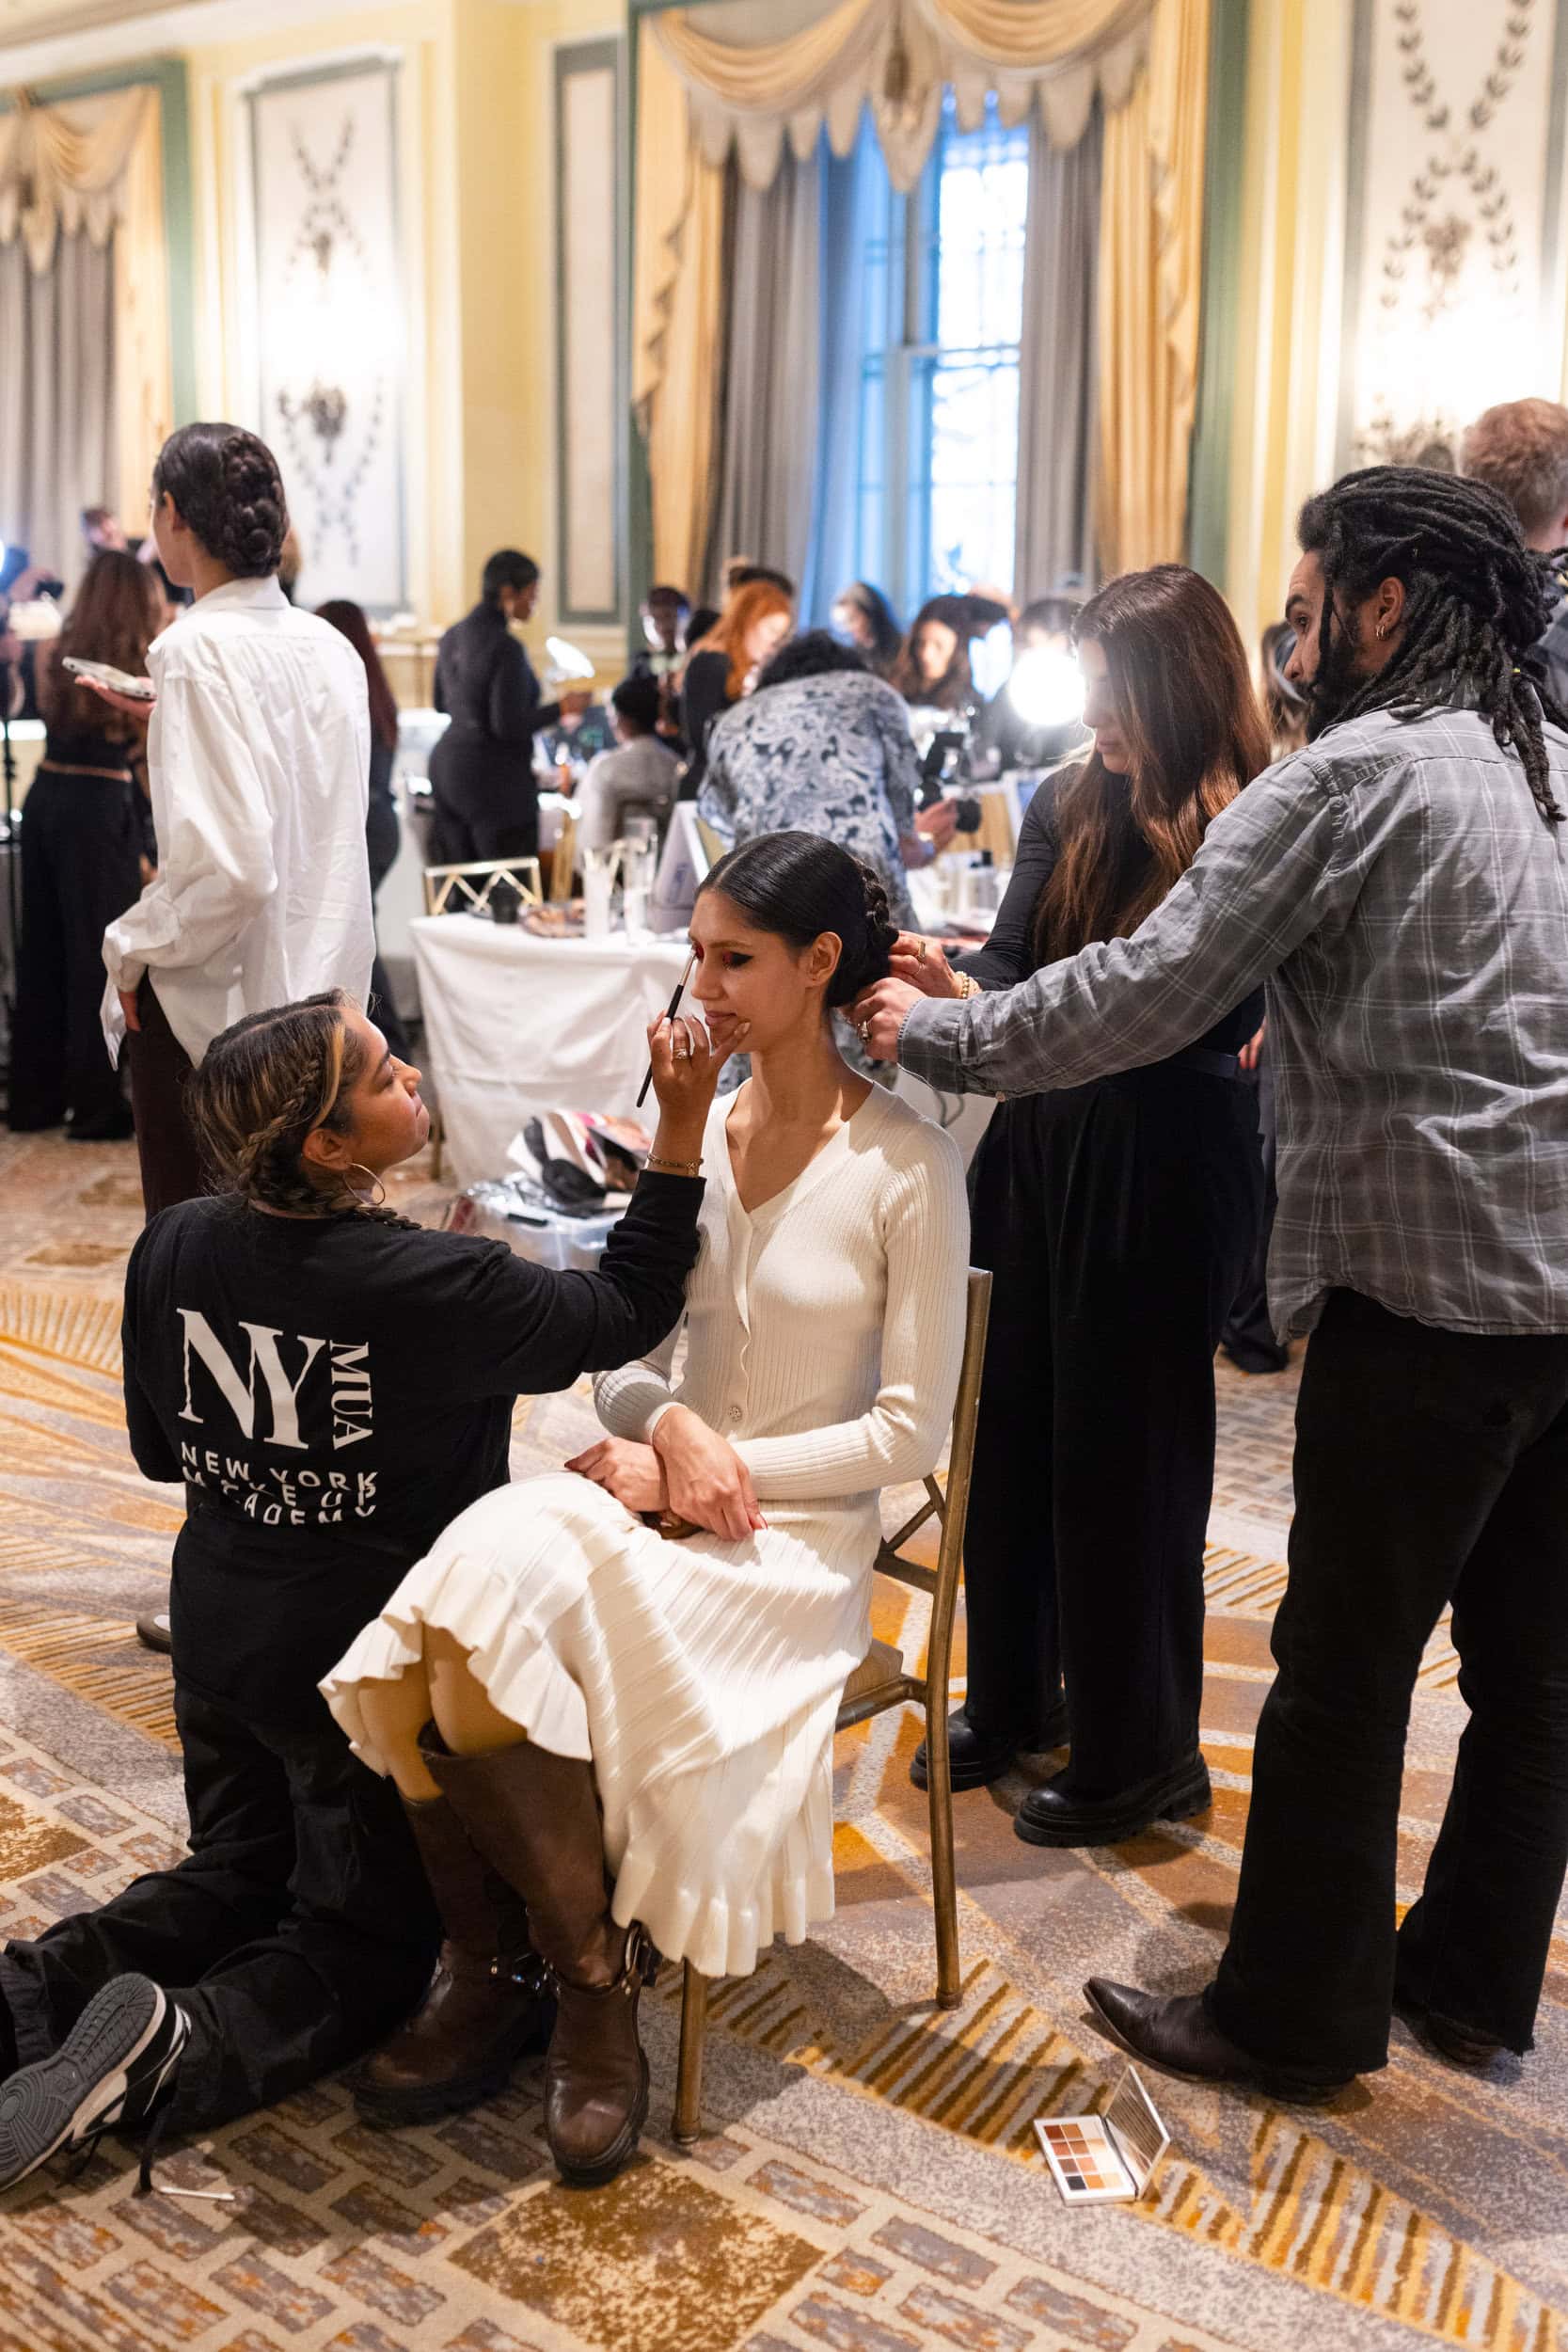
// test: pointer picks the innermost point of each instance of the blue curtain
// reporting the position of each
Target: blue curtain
(854, 209)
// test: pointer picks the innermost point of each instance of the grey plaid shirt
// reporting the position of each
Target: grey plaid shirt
(1408, 906)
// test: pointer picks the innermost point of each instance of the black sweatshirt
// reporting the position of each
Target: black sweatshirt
(333, 1393)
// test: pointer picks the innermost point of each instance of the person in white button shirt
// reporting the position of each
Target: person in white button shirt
(259, 759)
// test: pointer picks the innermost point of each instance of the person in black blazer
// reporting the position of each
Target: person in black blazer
(486, 800)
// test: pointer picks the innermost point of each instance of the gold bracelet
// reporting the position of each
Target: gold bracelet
(672, 1167)
(968, 984)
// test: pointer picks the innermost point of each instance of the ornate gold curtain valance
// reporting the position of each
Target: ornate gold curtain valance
(898, 56)
(88, 168)
(68, 167)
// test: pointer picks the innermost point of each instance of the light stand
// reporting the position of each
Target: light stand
(13, 864)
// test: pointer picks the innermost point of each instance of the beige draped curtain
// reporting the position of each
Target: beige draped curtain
(700, 95)
(93, 168)
(1151, 290)
(898, 56)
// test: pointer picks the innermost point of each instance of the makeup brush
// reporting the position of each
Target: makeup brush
(670, 1011)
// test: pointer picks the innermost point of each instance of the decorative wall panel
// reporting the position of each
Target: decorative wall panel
(591, 371)
(329, 321)
(1454, 289)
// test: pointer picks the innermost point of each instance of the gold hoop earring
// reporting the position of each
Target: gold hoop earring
(378, 1189)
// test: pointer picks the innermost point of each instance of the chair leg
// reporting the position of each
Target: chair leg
(688, 2125)
(944, 1895)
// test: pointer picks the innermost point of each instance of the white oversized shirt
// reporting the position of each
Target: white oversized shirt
(258, 756)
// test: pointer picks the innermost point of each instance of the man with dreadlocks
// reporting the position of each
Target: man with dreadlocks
(1401, 883)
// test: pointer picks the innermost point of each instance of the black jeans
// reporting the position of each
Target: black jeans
(1116, 1218)
(484, 803)
(298, 1932)
(80, 872)
(1431, 1467)
(383, 836)
(1249, 1338)
(166, 1147)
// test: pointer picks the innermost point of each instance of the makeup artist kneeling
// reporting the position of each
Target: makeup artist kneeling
(1401, 884)
(333, 1383)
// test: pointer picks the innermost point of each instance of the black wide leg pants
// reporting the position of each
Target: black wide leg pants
(1431, 1468)
(80, 872)
(299, 1930)
(1117, 1219)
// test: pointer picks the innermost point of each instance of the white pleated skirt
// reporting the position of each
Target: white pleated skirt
(701, 1678)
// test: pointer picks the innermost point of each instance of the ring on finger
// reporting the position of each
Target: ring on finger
(920, 951)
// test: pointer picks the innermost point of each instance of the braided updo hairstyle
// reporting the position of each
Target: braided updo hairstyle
(264, 1086)
(226, 486)
(798, 885)
(1476, 599)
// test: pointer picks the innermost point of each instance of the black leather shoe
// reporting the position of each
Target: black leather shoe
(978, 1759)
(1052, 1816)
(1461, 2045)
(1176, 2033)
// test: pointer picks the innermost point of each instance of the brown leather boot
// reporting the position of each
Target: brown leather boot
(488, 2003)
(535, 1818)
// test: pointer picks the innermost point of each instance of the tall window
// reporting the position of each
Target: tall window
(937, 423)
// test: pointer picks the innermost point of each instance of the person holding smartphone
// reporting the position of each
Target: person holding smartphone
(259, 762)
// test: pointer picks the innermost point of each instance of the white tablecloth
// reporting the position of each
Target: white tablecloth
(516, 1024)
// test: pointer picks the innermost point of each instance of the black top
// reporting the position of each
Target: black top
(1547, 658)
(67, 744)
(1008, 957)
(704, 697)
(335, 1391)
(484, 680)
(383, 755)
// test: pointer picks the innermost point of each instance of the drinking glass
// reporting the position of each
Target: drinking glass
(599, 870)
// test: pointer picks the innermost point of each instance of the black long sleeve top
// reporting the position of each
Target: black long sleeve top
(704, 697)
(487, 684)
(1008, 955)
(334, 1392)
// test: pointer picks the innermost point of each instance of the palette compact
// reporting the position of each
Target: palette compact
(1094, 2158)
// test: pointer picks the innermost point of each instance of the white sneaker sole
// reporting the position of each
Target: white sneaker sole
(83, 2088)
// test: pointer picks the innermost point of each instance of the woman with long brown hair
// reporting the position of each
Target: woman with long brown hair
(1118, 1219)
(81, 859)
(756, 619)
(933, 671)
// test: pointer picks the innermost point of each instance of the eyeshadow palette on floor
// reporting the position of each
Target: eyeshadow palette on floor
(1097, 2159)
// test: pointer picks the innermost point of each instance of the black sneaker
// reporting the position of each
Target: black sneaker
(107, 2075)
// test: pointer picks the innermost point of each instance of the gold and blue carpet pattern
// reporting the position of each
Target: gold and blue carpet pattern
(869, 2183)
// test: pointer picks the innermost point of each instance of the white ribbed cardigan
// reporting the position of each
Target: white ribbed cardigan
(824, 1336)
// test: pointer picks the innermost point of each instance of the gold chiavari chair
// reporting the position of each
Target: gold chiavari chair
(465, 889)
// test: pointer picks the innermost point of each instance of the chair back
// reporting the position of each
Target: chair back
(467, 888)
(713, 844)
(880, 1681)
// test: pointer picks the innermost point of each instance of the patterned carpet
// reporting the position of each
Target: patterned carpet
(869, 2184)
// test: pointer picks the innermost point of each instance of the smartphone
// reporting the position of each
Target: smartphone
(140, 689)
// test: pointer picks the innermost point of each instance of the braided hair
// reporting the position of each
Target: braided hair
(1476, 601)
(266, 1085)
(225, 485)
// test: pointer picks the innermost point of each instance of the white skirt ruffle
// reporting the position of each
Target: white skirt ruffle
(702, 1679)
